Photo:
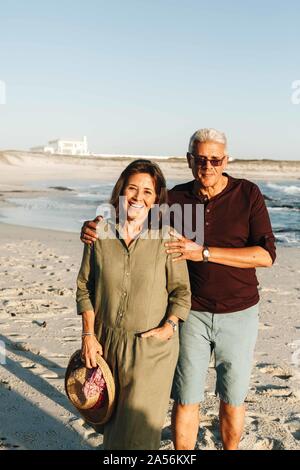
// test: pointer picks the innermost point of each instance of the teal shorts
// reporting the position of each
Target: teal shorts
(231, 337)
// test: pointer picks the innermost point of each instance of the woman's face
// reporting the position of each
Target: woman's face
(140, 196)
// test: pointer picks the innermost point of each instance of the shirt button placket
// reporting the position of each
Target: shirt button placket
(207, 217)
(125, 288)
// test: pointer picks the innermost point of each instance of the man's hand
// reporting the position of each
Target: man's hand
(89, 350)
(88, 230)
(187, 249)
(163, 333)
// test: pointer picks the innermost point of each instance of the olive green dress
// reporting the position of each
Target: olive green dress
(132, 290)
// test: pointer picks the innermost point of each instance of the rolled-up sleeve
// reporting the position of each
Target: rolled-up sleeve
(86, 281)
(178, 286)
(261, 233)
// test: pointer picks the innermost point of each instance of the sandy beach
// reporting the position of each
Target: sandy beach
(209, 95)
(39, 328)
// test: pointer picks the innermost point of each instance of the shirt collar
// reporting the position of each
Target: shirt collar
(188, 190)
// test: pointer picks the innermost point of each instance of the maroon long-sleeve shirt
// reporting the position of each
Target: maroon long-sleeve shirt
(235, 218)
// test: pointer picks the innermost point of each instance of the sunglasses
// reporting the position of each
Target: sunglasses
(202, 161)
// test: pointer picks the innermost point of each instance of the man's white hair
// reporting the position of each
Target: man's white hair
(207, 135)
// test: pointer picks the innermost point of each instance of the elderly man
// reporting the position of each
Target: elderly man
(224, 318)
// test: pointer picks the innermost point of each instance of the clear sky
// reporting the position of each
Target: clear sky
(140, 76)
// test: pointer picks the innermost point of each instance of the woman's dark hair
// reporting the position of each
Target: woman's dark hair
(141, 166)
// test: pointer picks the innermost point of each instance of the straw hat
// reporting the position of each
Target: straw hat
(93, 410)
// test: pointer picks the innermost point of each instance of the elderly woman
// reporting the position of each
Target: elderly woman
(131, 296)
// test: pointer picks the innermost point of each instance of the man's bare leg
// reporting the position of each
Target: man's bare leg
(185, 425)
(232, 420)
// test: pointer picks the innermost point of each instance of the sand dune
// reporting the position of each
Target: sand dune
(18, 167)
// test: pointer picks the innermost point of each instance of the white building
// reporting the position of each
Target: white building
(64, 147)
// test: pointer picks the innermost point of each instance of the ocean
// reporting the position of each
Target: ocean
(76, 201)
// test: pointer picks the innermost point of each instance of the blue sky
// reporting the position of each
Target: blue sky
(140, 77)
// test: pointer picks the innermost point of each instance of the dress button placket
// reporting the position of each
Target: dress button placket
(124, 293)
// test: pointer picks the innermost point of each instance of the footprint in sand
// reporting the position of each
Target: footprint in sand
(268, 444)
(61, 291)
(72, 328)
(275, 390)
(6, 445)
(274, 371)
(293, 425)
(256, 420)
(26, 347)
(27, 365)
(268, 289)
(35, 306)
(252, 421)
(17, 336)
(70, 338)
(264, 326)
(86, 432)
(50, 375)
(10, 303)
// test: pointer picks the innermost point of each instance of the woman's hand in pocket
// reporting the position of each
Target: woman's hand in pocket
(163, 333)
(89, 350)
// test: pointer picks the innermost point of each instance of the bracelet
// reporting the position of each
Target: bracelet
(87, 334)
(172, 323)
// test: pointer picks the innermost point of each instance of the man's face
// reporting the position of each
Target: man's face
(203, 171)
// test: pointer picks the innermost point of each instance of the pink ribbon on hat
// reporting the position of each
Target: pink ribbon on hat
(95, 385)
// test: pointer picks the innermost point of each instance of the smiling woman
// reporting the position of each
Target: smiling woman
(140, 186)
(139, 195)
(131, 297)
(149, 178)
